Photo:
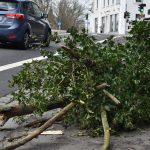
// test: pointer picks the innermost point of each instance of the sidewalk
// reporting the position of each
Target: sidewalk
(73, 138)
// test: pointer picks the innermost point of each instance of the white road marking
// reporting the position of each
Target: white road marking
(17, 64)
(20, 63)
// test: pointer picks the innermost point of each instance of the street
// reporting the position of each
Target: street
(10, 55)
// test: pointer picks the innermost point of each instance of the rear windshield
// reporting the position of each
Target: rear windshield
(8, 5)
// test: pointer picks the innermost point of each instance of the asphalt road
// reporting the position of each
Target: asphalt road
(10, 54)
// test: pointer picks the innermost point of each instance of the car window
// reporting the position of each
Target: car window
(28, 8)
(8, 6)
(37, 11)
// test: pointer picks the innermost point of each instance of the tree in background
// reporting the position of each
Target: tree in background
(51, 17)
(70, 13)
(45, 5)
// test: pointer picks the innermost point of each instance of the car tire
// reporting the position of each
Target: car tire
(24, 44)
(47, 39)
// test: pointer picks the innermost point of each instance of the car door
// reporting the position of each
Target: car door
(39, 26)
(33, 17)
(28, 11)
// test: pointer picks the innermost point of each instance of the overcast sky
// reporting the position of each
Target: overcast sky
(84, 1)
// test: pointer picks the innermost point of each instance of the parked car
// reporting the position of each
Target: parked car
(22, 22)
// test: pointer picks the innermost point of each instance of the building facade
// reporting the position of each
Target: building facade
(107, 16)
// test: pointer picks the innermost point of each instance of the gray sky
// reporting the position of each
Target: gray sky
(84, 1)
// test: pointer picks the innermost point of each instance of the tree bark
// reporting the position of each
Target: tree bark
(72, 53)
(38, 131)
(113, 98)
(106, 130)
(20, 110)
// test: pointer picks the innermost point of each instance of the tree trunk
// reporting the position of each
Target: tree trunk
(19, 110)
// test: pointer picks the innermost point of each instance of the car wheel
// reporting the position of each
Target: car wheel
(24, 44)
(47, 39)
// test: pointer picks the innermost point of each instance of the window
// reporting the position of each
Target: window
(108, 2)
(104, 3)
(111, 23)
(117, 1)
(97, 3)
(138, 0)
(96, 25)
(27, 8)
(37, 11)
(7, 6)
(32, 9)
(116, 22)
(113, 2)
(103, 25)
(148, 11)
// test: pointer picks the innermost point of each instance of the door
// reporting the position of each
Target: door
(34, 18)
(39, 25)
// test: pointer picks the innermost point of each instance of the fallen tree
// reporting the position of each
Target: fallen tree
(77, 72)
(22, 140)
(7, 112)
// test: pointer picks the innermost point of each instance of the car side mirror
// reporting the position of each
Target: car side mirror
(44, 15)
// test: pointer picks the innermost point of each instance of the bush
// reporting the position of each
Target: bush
(125, 67)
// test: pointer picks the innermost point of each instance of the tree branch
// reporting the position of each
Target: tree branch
(106, 130)
(19, 110)
(113, 98)
(38, 131)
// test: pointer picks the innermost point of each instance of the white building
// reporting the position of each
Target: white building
(108, 15)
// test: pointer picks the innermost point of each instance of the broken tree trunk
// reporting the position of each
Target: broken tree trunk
(8, 112)
(74, 54)
(106, 129)
(113, 98)
(40, 129)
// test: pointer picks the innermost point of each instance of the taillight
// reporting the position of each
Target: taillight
(11, 36)
(17, 16)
